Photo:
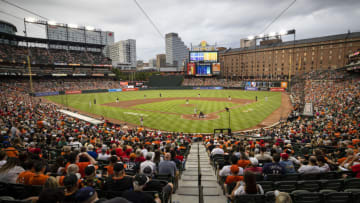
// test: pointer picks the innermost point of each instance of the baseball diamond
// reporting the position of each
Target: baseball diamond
(170, 112)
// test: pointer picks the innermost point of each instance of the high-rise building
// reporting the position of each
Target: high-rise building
(152, 63)
(124, 52)
(176, 51)
(160, 60)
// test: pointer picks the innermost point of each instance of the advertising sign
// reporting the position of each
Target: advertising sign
(203, 56)
(284, 85)
(277, 89)
(42, 94)
(130, 89)
(115, 90)
(216, 68)
(251, 88)
(191, 69)
(124, 83)
(207, 88)
(73, 92)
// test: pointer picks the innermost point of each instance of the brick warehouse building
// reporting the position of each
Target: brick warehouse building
(273, 60)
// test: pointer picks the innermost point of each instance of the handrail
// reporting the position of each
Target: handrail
(200, 187)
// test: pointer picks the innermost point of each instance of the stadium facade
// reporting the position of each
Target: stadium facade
(279, 60)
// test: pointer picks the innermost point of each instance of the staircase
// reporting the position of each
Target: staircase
(190, 186)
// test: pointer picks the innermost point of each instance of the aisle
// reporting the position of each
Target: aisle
(188, 185)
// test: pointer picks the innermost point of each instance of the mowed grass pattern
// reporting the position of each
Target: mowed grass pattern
(246, 116)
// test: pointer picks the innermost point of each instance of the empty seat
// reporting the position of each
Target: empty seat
(329, 175)
(250, 199)
(332, 184)
(291, 177)
(311, 186)
(285, 186)
(272, 177)
(307, 197)
(267, 185)
(310, 176)
(353, 183)
(337, 197)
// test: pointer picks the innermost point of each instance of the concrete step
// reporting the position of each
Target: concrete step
(210, 183)
(194, 191)
(203, 178)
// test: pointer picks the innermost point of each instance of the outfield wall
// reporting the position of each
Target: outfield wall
(43, 94)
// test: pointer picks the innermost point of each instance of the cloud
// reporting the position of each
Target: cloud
(223, 22)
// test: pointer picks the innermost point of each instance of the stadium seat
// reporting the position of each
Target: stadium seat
(310, 176)
(353, 183)
(250, 199)
(337, 197)
(272, 177)
(267, 185)
(306, 197)
(311, 186)
(285, 186)
(329, 175)
(332, 184)
(291, 177)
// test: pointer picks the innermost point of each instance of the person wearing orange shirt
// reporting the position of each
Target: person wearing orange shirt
(83, 159)
(39, 178)
(232, 178)
(110, 167)
(24, 177)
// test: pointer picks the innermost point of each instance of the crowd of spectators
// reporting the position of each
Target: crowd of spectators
(18, 54)
(64, 84)
(327, 142)
(43, 147)
(71, 159)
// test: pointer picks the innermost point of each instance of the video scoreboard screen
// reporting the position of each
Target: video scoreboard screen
(199, 56)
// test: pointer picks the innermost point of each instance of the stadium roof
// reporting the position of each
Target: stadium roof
(302, 41)
(19, 38)
(4, 22)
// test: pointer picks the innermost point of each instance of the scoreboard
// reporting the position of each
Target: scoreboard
(203, 63)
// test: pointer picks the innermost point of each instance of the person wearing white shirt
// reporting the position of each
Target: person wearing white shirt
(225, 171)
(3, 158)
(148, 162)
(10, 171)
(310, 168)
(217, 150)
(103, 156)
(249, 186)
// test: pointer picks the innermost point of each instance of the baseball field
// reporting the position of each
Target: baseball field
(175, 110)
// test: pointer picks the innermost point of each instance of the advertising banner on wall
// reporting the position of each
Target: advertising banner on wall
(216, 68)
(208, 88)
(277, 89)
(130, 89)
(251, 88)
(73, 92)
(284, 85)
(124, 83)
(115, 90)
(42, 94)
(191, 69)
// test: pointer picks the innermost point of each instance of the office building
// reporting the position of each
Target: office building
(160, 60)
(176, 51)
(124, 52)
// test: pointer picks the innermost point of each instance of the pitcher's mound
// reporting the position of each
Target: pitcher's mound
(187, 105)
(196, 117)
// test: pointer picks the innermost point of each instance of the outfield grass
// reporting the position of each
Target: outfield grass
(246, 116)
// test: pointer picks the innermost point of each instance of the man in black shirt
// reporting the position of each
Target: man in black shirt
(71, 187)
(138, 196)
(119, 181)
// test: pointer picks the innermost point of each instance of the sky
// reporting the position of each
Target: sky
(223, 22)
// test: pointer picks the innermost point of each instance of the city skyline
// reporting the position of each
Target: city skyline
(224, 22)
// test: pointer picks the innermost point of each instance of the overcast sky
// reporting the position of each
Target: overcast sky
(223, 22)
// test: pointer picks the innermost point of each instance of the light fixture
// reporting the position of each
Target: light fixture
(283, 32)
(51, 22)
(72, 26)
(251, 37)
(30, 19)
(261, 35)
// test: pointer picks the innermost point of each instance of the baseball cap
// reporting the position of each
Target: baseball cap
(141, 179)
(147, 171)
(284, 156)
(254, 161)
(234, 169)
(118, 167)
(84, 194)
